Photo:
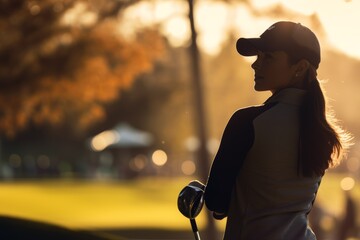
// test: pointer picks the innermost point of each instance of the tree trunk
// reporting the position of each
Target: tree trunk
(200, 118)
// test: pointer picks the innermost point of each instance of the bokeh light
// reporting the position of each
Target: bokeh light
(182, 33)
(34, 9)
(138, 163)
(353, 164)
(327, 223)
(188, 167)
(80, 15)
(159, 157)
(192, 143)
(347, 183)
(213, 145)
(104, 139)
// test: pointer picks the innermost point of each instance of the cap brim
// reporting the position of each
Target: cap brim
(250, 46)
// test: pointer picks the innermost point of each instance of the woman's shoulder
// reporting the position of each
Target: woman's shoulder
(252, 111)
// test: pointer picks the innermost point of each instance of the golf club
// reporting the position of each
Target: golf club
(190, 203)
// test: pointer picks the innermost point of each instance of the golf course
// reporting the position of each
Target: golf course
(124, 207)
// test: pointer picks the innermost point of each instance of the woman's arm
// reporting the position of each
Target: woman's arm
(236, 141)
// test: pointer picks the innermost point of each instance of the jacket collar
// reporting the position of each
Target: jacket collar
(293, 96)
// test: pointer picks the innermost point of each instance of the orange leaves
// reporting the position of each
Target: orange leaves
(74, 91)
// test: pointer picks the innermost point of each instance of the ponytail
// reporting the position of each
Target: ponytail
(322, 141)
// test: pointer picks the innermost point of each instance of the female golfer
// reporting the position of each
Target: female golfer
(272, 157)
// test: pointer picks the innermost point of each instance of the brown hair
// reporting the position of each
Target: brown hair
(322, 140)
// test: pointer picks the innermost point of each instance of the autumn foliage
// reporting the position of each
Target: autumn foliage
(54, 73)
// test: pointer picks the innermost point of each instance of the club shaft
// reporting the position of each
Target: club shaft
(195, 229)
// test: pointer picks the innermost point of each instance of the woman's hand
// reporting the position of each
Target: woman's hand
(219, 216)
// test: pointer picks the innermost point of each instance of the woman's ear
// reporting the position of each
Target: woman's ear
(301, 67)
(299, 72)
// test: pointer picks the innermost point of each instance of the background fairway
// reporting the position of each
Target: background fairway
(94, 204)
(145, 203)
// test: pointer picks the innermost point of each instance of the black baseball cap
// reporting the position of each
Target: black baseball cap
(293, 38)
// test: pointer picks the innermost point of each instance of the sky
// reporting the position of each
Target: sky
(214, 19)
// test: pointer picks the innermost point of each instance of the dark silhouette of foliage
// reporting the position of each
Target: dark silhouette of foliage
(61, 61)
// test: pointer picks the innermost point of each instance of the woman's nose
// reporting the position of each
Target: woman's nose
(255, 64)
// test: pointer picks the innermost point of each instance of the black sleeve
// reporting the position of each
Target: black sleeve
(236, 141)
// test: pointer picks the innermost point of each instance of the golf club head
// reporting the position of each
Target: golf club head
(190, 200)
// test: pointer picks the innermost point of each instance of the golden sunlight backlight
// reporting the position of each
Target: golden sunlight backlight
(338, 18)
(215, 19)
(79, 15)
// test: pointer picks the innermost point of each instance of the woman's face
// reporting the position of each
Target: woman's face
(273, 71)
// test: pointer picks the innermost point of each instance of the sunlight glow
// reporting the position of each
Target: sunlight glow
(262, 4)
(169, 16)
(339, 19)
(212, 30)
(182, 32)
(306, 7)
(214, 20)
(79, 15)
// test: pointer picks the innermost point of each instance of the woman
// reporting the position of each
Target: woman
(272, 157)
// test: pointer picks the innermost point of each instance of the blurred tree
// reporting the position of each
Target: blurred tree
(62, 60)
(203, 157)
(158, 102)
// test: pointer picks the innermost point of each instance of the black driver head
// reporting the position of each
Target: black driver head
(190, 200)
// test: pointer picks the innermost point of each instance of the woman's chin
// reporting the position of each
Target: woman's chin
(260, 88)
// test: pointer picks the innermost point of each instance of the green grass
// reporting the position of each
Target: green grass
(95, 204)
(145, 203)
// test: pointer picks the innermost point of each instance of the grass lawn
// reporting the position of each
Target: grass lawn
(95, 204)
(145, 203)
